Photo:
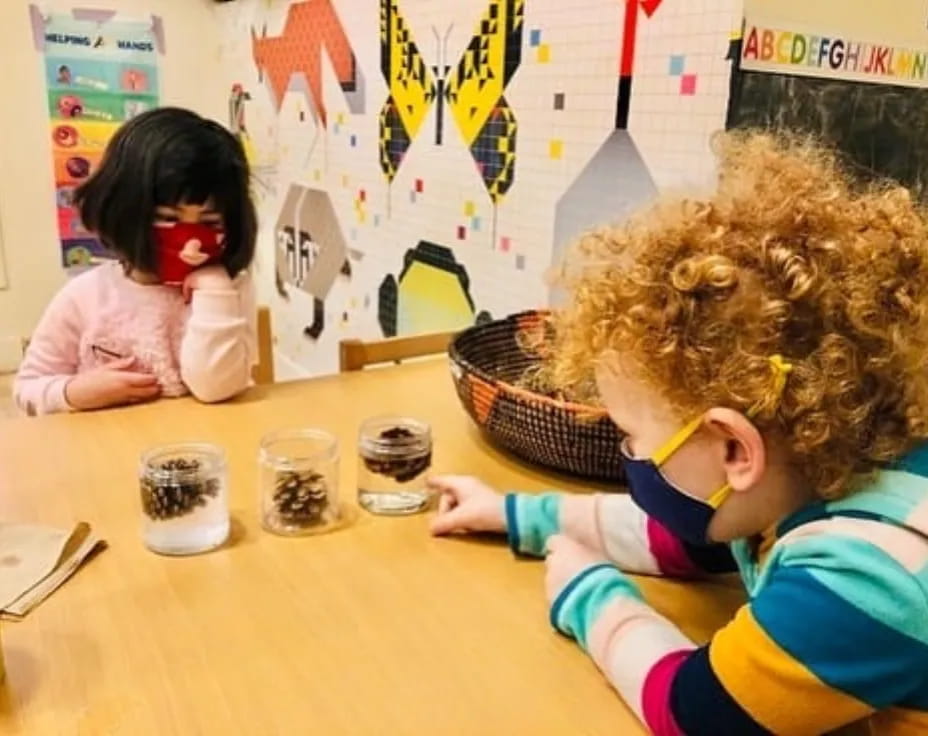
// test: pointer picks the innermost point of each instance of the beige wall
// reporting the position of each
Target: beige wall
(898, 21)
(27, 214)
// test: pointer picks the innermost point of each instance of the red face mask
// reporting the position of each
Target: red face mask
(184, 247)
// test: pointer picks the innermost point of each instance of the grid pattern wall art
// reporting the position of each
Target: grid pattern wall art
(421, 166)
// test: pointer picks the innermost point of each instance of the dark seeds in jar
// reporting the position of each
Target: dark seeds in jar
(171, 499)
(300, 498)
(401, 469)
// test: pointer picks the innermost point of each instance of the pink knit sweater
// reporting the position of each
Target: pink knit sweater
(206, 348)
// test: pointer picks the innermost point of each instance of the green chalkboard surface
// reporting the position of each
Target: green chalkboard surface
(882, 130)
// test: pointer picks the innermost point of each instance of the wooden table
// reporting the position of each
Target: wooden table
(375, 629)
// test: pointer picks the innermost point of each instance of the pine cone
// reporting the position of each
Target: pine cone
(300, 498)
(169, 500)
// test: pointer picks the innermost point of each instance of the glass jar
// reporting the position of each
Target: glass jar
(394, 456)
(185, 501)
(298, 482)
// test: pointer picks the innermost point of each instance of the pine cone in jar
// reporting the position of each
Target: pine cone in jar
(170, 499)
(300, 498)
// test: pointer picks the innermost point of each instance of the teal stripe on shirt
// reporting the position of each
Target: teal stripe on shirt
(531, 520)
(743, 552)
(893, 494)
(865, 576)
(916, 462)
(840, 643)
(581, 602)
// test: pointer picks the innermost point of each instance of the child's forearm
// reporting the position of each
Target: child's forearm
(51, 360)
(37, 394)
(637, 649)
(215, 355)
(799, 659)
(613, 526)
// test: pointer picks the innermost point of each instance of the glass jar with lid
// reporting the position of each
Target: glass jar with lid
(298, 481)
(185, 503)
(394, 457)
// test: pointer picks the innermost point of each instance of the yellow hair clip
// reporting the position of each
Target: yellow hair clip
(781, 370)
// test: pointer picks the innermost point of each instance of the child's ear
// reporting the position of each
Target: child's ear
(744, 454)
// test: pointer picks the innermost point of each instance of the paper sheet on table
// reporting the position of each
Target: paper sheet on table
(36, 560)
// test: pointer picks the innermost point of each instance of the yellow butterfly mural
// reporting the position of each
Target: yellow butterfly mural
(473, 92)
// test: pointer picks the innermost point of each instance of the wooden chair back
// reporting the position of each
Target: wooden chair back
(355, 355)
(263, 372)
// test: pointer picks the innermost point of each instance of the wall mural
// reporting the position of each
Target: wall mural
(489, 135)
(472, 90)
(311, 250)
(586, 203)
(292, 61)
(238, 96)
(432, 294)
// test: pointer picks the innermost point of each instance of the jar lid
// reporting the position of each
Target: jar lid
(182, 461)
(395, 435)
(295, 448)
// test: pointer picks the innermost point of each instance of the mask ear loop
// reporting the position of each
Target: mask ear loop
(720, 496)
(676, 442)
(781, 370)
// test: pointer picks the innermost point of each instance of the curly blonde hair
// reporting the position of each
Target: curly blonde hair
(789, 256)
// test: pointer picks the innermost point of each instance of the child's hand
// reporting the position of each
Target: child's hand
(466, 505)
(111, 385)
(210, 278)
(565, 560)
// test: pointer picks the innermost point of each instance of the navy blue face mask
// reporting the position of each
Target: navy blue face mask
(684, 515)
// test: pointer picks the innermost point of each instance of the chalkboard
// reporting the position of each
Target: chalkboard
(882, 130)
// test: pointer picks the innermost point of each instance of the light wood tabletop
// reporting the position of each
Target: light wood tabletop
(373, 629)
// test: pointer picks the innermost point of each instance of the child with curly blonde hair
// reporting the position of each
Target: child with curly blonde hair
(763, 351)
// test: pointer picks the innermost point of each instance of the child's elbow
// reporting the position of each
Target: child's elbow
(208, 390)
(215, 395)
(209, 396)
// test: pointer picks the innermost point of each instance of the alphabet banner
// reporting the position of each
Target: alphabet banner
(100, 71)
(791, 49)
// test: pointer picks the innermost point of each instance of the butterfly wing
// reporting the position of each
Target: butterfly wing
(410, 84)
(475, 93)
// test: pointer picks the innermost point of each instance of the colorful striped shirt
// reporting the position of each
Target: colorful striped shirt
(835, 629)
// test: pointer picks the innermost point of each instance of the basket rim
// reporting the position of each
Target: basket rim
(454, 354)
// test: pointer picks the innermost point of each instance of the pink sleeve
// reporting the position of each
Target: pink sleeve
(52, 358)
(218, 349)
(617, 528)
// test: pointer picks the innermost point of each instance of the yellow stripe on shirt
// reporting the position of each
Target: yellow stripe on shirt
(777, 691)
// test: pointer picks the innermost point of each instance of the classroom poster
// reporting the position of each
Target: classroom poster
(794, 49)
(838, 39)
(100, 71)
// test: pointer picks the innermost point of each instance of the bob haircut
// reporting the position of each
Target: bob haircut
(166, 157)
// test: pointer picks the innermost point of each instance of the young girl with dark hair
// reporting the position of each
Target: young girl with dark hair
(174, 313)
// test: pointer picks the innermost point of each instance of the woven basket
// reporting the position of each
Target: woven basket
(487, 362)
